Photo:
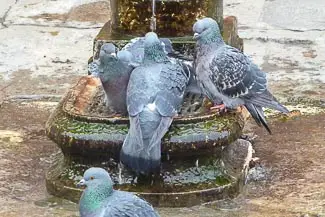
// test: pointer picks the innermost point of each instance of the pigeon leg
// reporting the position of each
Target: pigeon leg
(117, 115)
(219, 107)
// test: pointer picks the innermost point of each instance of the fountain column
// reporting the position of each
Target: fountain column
(174, 19)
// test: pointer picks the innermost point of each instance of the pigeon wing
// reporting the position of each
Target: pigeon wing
(130, 206)
(173, 82)
(235, 76)
(137, 91)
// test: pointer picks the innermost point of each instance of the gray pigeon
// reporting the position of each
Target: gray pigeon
(228, 76)
(136, 47)
(99, 199)
(114, 73)
(154, 96)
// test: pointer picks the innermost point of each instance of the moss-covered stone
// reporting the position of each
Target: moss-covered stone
(182, 182)
(95, 136)
(173, 18)
(191, 171)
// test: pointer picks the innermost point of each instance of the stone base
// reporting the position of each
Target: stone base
(182, 182)
(87, 135)
(192, 171)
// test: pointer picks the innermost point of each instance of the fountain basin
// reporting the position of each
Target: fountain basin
(183, 182)
(83, 129)
(192, 171)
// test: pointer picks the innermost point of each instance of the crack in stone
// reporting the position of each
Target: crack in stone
(55, 26)
(34, 97)
(4, 17)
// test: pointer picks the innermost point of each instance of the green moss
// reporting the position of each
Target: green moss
(180, 176)
(70, 125)
(174, 18)
(222, 180)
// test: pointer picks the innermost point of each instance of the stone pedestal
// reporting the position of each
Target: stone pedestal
(173, 18)
(192, 169)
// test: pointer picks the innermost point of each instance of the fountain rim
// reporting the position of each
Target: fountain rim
(232, 181)
(93, 88)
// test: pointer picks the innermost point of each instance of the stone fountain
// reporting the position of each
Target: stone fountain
(88, 135)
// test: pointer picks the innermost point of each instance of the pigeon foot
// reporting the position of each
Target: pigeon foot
(219, 108)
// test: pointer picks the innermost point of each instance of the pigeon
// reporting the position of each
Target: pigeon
(136, 47)
(99, 199)
(154, 96)
(227, 76)
(114, 73)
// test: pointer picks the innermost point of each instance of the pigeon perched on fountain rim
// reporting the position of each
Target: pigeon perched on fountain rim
(99, 199)
(114, 72)
(136, 48)
(154, 95)
(227, 75)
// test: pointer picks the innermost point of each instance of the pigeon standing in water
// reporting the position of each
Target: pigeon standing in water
(228, 76)
(99, 199)
(114, 72)
(154, 95)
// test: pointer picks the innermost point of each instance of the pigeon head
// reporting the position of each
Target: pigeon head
(206, 29)
(167, 45)
(125, 56)
(99, 186)
(151, 38)
(107, 50)
(95, 176)
(153, 48)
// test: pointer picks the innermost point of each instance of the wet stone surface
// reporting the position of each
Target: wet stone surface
(179, 183)
(191, 171)
(82, 131)
(294, 162)
(288, 181)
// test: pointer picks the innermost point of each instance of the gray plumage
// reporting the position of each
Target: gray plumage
(154, 96)
(136, 47)
(227, 75)
(114, 72)
(99, 199)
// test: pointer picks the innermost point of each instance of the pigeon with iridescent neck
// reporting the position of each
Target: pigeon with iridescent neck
(227, 75)
(154, 96)
(99, 199)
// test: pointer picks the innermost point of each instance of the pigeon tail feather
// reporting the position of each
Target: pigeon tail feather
(258, 115)
(144, 156)
(267, 100)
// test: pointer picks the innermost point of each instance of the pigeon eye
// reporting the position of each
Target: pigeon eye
(91, 177)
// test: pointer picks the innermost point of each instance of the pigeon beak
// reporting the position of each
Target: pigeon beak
(81, 183)
(196, 35)
(113, 54)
